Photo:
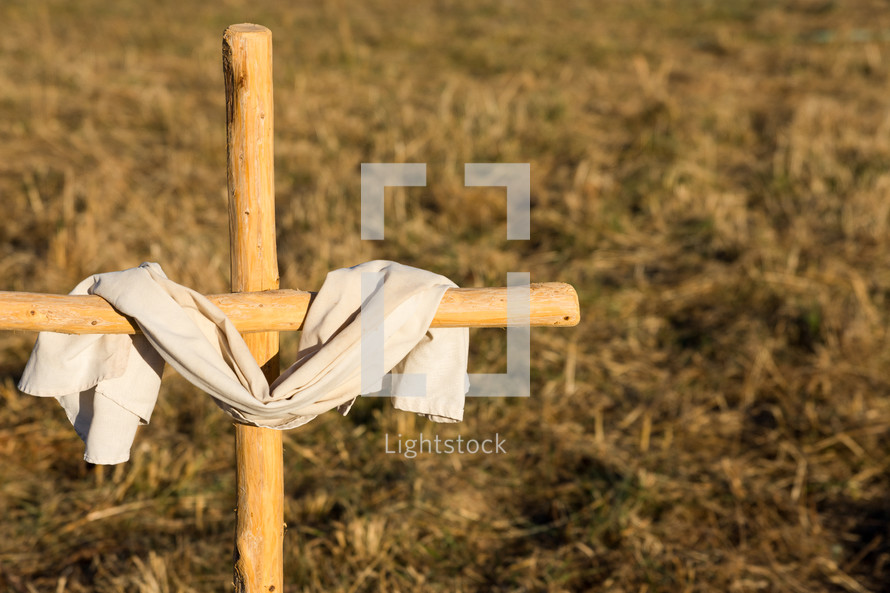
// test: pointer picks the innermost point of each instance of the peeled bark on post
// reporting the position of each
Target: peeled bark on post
(247, 66)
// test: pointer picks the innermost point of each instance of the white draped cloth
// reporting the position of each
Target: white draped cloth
(108, 384)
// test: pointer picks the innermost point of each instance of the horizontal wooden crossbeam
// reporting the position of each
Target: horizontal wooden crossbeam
(552, 304)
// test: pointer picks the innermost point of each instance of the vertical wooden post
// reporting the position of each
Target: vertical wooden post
(247, 66)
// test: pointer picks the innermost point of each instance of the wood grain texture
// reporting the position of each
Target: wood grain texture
(552, 304)
(247, 68)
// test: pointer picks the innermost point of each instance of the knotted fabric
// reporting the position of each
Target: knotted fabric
(108, 384)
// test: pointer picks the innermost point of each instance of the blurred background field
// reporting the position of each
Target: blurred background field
(712, 176)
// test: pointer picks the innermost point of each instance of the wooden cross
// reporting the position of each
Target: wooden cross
(257, 308)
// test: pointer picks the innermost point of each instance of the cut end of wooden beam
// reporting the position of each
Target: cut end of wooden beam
(248, 28)
(571, 316)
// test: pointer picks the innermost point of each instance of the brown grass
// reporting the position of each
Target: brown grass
(713, 177)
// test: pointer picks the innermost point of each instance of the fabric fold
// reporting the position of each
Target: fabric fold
(108, 384)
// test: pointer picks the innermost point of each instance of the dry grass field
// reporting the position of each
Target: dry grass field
(712, 175)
